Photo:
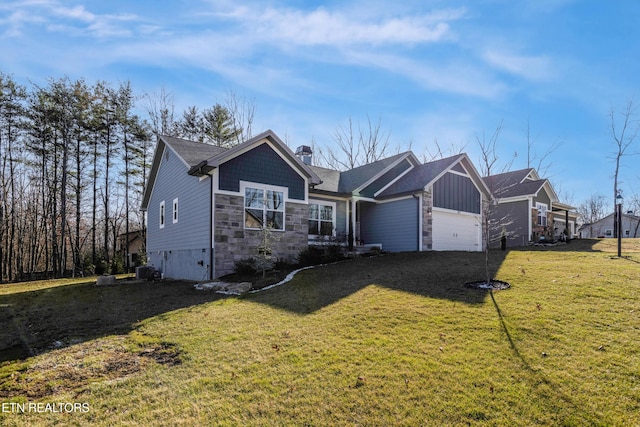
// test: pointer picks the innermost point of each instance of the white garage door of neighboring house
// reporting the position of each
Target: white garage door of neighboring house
(454, 231)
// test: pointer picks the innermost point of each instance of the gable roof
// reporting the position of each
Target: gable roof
(191, 152)
(356, 178)
(415, 179)
(519, 183)
(200, 158)
(224, 156)
(420, 176)
(502, 181)
(426, 174)
(183, 148)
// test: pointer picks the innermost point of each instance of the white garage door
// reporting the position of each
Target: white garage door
(456, 231)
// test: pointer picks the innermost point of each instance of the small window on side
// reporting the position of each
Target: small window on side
(162, 212)
(175, 210)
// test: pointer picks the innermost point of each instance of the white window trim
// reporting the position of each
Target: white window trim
(608, 232)
(546, 210)
(265, 187)
(175, 210)
(333, 219)
(162, 214)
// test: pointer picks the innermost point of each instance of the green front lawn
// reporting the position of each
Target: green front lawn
(389, 340)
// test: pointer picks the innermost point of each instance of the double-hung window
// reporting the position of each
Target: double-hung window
(321, 219)
(542, 214)
(263, 208)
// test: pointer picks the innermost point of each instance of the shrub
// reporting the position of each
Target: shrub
(333, 253)
(245, 267)
(282, 265)
(313, 255)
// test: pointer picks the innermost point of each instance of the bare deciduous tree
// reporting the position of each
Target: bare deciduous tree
(160, 106)
(489, 159)
(592, 209)
(356, 146)
(540, 162)
(623, 134)
(243, 112)
(437, 151)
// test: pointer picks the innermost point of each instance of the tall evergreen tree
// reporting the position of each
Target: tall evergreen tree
(219, 128)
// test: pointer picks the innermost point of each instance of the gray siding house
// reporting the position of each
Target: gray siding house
(604, 227)
(528, 209)
(400, 204)
(206, 205)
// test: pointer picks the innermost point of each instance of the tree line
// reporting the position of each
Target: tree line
(74, 159)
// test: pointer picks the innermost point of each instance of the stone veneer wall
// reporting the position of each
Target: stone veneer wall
(233, 243)
(427, 221)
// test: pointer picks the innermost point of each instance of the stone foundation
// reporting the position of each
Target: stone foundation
(233, 243)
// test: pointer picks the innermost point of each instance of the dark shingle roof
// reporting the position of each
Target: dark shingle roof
(524, 189)
(510, 183)
(419, 177)
(330, 179)
(356, 177)
(348, 181)
(192, 152)
(501, 182)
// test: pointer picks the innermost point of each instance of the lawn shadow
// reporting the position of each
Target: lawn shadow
(541, 383)
(439, 275)
(38, 321)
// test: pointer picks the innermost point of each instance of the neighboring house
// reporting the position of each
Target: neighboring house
(604, 227)
(206, 205)
(528, 209)
(136, 246)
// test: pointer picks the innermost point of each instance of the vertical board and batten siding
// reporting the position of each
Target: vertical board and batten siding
(188, 239)
(393, 224)
(386, 178)
(457, 193)
(261, 165)
(514, 217)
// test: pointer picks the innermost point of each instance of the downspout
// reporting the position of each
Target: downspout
(212, 225)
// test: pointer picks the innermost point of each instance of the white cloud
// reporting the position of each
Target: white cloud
(54, 16)
(324, 27)
(530, 67)
(450, 76)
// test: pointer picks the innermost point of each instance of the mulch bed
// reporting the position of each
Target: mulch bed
(493, 285)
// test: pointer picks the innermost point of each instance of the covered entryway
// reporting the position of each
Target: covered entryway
(456, 231)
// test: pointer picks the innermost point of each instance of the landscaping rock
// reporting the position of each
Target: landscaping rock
(106, 280)
(226, 288)
(239, 288)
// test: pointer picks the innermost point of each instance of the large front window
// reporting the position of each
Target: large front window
(321, 219)
(263, 208)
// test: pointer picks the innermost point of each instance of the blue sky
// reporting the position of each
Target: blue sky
(449, 71)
